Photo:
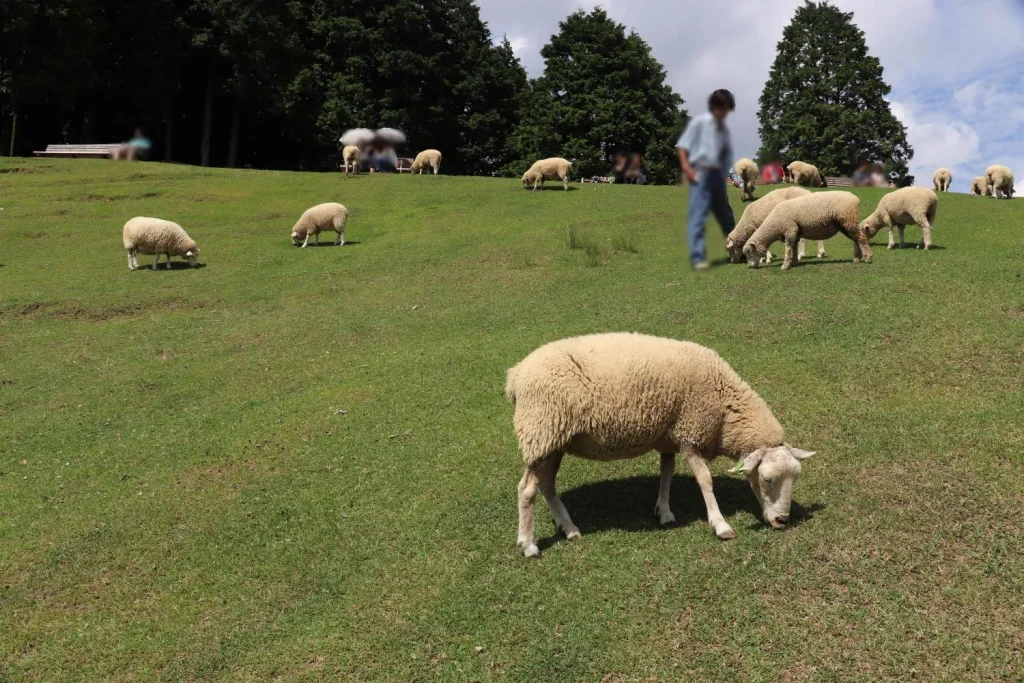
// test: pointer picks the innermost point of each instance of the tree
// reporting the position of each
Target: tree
(824, 101)
(602, 92)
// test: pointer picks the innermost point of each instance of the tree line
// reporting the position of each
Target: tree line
(273, 83)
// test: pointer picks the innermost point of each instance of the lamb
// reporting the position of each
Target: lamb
(155, 236)
(901, 208)
(427, 158)
(942, 179)
(814, 216)
(747, 170)
(351, 159)
(616, 396)
(999, 180)
(804, 174)
(321, 217)
(979, 186)
(755, 214)
(547, 169)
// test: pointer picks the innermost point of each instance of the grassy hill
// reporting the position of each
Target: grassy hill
(299, 464)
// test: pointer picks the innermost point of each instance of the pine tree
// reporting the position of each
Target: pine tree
(824, 101)
(602, 92)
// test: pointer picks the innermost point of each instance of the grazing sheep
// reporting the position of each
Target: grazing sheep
(319, 218)
(747, 170)
(979, 186)
(906, 206)
(815, 216)
(755, 214)
(428, 158)
(1000, 181)
(351, 158)
(615, 396)
(554, 168)
(942, 179)
(155, 236)
(804, 174)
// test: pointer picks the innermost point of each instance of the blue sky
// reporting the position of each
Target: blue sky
(956, 67)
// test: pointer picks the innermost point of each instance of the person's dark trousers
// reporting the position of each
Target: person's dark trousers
(706, 197)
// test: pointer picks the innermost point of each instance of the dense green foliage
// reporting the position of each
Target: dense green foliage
(264, 82)
(602, 92)
(824, 101)
(300, 465)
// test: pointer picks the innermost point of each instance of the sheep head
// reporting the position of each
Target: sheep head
(771, 473)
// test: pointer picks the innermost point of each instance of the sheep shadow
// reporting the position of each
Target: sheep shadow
(628, 505)
(911, 246)
(331, 244)
(553, 188)
(175, 265)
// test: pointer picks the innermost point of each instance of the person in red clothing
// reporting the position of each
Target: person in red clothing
(772, 173)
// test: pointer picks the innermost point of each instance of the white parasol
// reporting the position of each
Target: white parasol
(357, 137)
(392, 136)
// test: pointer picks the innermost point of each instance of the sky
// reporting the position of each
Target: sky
(956, 67)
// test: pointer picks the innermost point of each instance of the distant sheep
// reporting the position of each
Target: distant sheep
(747, 170)
(321, 217)
(942, 179)
(906, 206)
(999, 180)
(350, 159)
(428, 158)
(612, 396)
(803, 173)
(815, 216)
(155, 236)
(755, 214)
(554, 168)
(979, 186)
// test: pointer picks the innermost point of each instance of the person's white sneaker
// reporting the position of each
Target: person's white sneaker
(701, 265)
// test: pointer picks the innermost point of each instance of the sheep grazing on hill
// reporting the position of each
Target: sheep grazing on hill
(350, 159)
(319, 218)
(906, 206)
(143, 235)
(999, 180)
(979, 187)
(942, 179)
(755, 214)
(803, 173)
(815, 216)
(554, 168)
(614, 396)
(428, 158)
(747, 170)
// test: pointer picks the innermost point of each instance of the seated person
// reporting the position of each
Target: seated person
(619, 167)
(772, 173)
(383, 158)
(879, 178)
(862, 176)
(136, 148)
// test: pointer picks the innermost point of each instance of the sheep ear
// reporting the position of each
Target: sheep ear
(749, 463)
(801, 454)
(188, 253)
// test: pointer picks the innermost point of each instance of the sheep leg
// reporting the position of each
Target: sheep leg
(316, 237)
(926, 232)
(547, 472)
(661, 508)
(305, 241)
(861, 247)
(821, 248)
(156, 262)
(892, 243)
(168, 264)
(527, 495)
(902, 228)
(565, 182)
(703, 476)
(801, 251)
(787, 259)
(131, 261)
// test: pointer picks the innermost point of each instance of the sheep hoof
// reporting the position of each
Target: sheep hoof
(726, 533)
(667, 518)
(531, 550)
(572, 534)
(821, 254)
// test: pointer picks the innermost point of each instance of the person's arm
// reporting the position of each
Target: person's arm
(735, 177)
(684, 163)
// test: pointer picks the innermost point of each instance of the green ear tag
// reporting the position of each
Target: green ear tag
(738, 469)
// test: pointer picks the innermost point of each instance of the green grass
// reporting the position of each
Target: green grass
(298, 464)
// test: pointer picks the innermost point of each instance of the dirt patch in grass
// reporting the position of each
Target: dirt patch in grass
(17, 169)
(45, 311)
(92, 197)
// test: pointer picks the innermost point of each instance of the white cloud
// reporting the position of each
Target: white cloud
(520, 44)
(939, 141)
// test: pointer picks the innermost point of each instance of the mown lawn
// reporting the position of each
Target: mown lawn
(299, 464)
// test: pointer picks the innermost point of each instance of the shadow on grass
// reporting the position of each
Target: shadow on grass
(552, 188)
(330, 244)
(628, 505)
(910, 246)
(175, 265)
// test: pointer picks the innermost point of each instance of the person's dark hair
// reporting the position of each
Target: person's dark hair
(722, 99)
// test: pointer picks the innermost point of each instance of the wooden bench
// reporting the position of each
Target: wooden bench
(838, 182)
(404, 165)
(78, 151)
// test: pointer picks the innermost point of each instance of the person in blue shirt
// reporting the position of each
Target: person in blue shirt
(706, 158)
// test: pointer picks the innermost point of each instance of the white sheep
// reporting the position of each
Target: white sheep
(554, 168)
(755, 214)
(979, 186)
(942, 179)
(428, 158)
(999, 180)
(747, 170)
(903, 207)
(815, 216)
(613, 396)
(144, 235)
(802, 173)
(351, 159)
(321, 217)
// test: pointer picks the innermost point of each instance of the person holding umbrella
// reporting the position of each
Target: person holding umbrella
(382, 156)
